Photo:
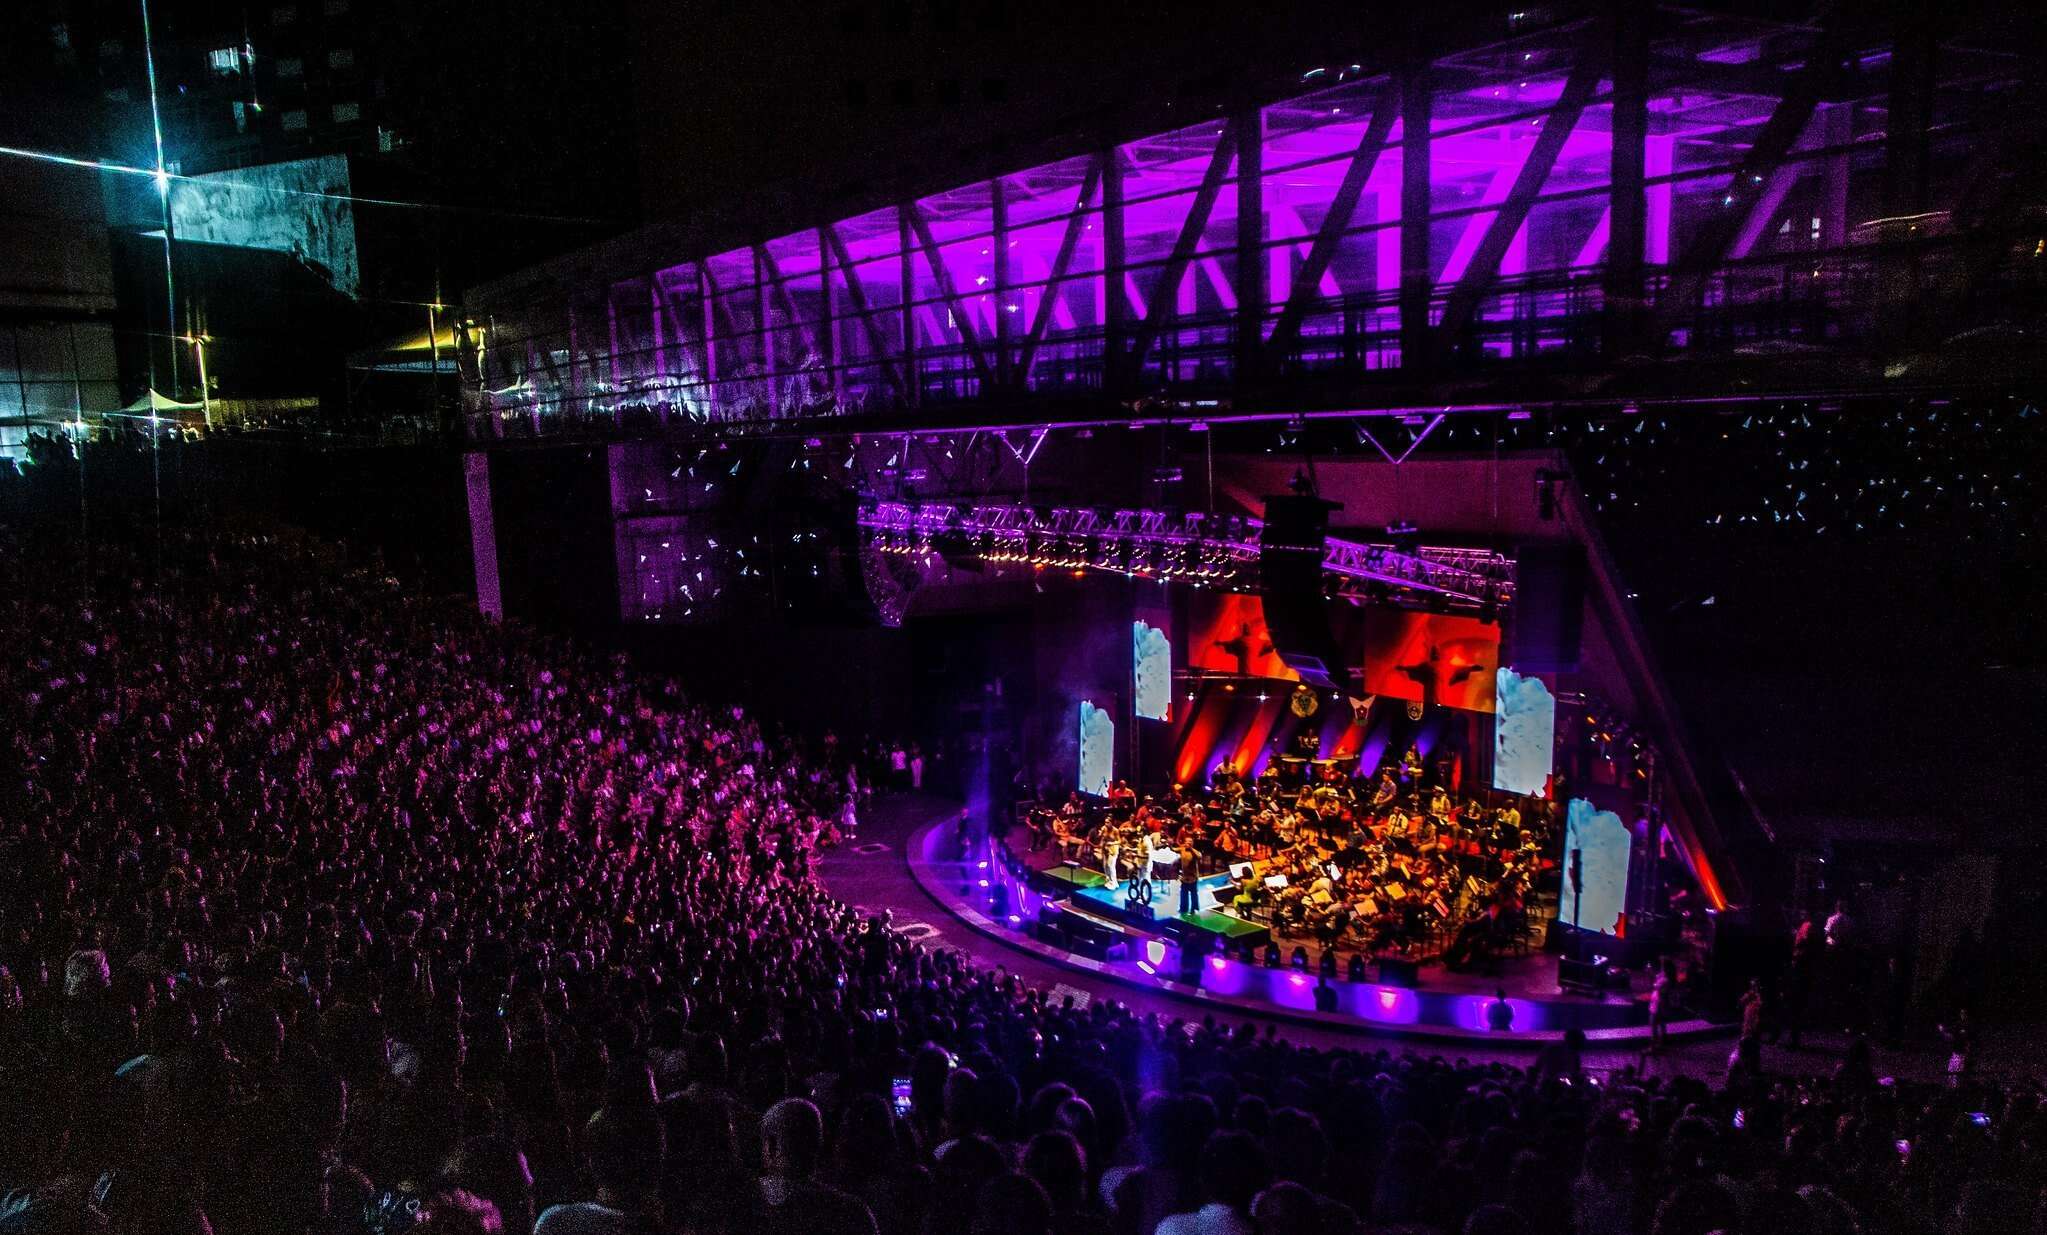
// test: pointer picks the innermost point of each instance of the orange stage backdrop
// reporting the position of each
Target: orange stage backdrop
(1431, 658)
(1228, 635)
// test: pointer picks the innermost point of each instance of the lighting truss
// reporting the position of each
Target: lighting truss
(1187, 545)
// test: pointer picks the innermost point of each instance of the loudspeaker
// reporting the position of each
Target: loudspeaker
(1398, 971)
(1291, 547)
(1588, 976)
(1546, 624)
(1194, 946)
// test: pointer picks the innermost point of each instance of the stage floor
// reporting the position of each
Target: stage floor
(1016, 892)
(1165, 903)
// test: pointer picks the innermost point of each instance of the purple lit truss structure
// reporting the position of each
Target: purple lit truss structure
(1185, 546)
(1660, 183)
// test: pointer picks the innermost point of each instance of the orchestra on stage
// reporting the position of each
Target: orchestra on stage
(1388, 862)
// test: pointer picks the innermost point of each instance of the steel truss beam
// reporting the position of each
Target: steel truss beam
(1183, 544)
(1165, 301)
(1061, 260)
(962, 319)
(857, 293)
(1463, 299)
(1701, 253)
(1306, 288)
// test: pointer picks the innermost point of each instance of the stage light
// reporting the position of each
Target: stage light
(1155, 951)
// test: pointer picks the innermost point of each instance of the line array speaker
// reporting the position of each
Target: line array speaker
(1291, 548)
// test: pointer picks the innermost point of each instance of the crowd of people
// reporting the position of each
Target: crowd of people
(329, 907)
(1389, 860)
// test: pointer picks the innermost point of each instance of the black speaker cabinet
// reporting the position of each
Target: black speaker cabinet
(1291, 548)
(1399, 971)
(1546, 625)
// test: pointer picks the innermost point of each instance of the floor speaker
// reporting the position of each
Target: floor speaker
(1291, 548)
(1399, 971)
(1585, 976)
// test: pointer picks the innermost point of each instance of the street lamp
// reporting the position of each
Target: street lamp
(199, 342)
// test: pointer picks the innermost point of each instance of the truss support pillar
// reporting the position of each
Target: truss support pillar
(1115, 307)
(1253, 295)
(1005, 339)
(1621, 282)
(1907, 157)
(828, 317)
(913, 379)
(1415, 278)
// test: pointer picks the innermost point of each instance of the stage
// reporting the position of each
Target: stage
(1066, 915)
(1089, 893)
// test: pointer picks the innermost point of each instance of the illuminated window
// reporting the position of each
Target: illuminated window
(347, 113)
(293, 67)
(60, 36)
(225, 61)
(295, 122)
(341, 58)
(241, 116)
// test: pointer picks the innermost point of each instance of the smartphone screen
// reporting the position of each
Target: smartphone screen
(899, 1091)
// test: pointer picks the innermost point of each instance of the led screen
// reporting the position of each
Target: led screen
(1152, 668)
(302, 207)
(1595, 851)
(1436, 659)
(1227, 634)
(1097, 749)
(1524, 733)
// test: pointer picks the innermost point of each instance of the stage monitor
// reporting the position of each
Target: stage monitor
(1596, 849)
(1097, 750)
(1524, 734)
(1151, 666)
(1240, 871)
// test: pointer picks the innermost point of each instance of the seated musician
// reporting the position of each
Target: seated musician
(1386, 791)
(1411, 766)
(1067, 834)
(1038, 826)
(1439, 805)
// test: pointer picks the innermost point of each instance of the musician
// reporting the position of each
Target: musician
(1038, 825)
(1109, 843)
